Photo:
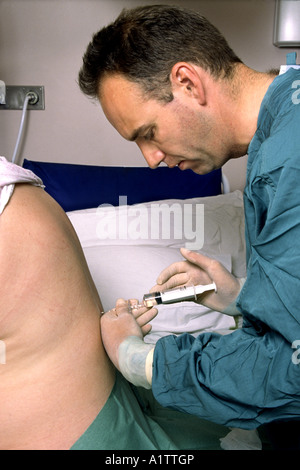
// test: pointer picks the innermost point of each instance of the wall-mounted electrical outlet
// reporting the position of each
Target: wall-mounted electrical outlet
(15, 97)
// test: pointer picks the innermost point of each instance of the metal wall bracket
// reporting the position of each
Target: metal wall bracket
(15, 97)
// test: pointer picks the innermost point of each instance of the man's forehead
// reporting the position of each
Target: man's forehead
(117, 83)
(124, 106)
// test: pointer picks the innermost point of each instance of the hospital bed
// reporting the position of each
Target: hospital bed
(131, 223)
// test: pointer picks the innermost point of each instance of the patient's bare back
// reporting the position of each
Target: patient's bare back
(56, 376)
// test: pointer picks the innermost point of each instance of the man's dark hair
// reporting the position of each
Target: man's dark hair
(144, 43)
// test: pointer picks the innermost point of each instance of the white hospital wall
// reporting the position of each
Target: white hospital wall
(42, 42)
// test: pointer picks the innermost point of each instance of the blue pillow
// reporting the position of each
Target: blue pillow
(85, 186)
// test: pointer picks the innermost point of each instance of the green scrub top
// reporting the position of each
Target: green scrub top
(252, 376)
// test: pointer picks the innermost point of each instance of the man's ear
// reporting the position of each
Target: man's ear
(187, 79)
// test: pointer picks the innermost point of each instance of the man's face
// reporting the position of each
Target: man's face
(176, 133)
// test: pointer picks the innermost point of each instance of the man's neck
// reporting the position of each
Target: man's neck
(247, 92)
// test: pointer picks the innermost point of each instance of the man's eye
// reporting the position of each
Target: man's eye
(149, 135)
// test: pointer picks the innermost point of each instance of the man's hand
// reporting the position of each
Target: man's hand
(121, 322)
(200, 269)
(143, 316)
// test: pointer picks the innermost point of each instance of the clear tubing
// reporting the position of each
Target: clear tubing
(28, 97)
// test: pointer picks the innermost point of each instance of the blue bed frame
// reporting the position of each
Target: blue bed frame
(77, 187)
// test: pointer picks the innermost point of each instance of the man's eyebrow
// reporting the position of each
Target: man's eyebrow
(139, 131)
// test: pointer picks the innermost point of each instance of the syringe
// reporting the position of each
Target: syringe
(176, 295)
(172, 296)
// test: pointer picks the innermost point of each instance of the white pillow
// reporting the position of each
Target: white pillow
(221, 226)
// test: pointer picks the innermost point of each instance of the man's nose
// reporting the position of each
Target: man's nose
(152, 154)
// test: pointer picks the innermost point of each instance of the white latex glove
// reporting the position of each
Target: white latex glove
(200, 269)
(122, 331)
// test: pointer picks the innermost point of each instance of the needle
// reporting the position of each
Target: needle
(131, 307)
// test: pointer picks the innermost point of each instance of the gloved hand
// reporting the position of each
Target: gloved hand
(122, 331)
(200, 269)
